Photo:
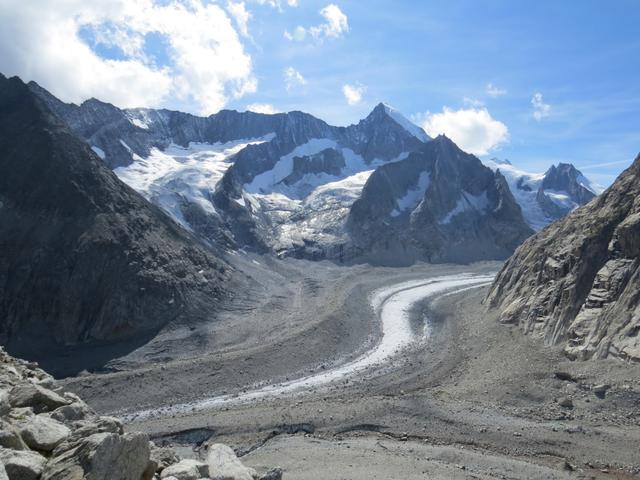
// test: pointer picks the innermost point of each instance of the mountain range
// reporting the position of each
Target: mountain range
(292, 185)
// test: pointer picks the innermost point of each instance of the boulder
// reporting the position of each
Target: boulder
(273, 474)
(101, 456)
(10, 438)
(71, 413)
(22, 465)
(163, 456)
(36, 397)
(186, 470)
(225, 465)
(43, 433)
(5, 406)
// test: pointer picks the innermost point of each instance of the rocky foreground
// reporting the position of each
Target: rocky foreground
(49, 434)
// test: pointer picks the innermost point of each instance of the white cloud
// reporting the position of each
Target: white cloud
(293, 78)
(336, 24)
(540, 109)
(277, 3)
(494, 91)
(472, 129)
(262, 108)
(353, 93)
(473, 102)
(241, 16)
(206, 63)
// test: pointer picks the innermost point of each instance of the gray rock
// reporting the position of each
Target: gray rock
(576, 282)
(565, 402)
(43, 433)
(23, 464)
(36, 397)
(273, 474)
(163, 456)
(71, 413)
(102, 456)
(186, 470)
(5, 406)
(225, 465)
(10, 438)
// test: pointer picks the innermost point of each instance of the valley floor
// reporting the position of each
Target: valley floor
(475, 400)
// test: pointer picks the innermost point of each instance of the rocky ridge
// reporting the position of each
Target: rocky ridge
(577, 282)
(440, 204)
(50, 434)
(84, 259)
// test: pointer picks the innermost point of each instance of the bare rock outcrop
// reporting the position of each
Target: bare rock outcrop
(53, 435)
(577, 282)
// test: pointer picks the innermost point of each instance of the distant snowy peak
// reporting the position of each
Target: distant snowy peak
(405, 123)
(546, 197)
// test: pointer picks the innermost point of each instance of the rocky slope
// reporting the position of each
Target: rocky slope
(439, 204)
(578, 281)
(48, 434)
(84, 259)
(547, 197)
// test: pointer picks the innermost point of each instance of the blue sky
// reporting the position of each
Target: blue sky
(537, 83)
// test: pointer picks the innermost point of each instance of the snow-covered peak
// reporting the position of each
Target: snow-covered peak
(405, 123)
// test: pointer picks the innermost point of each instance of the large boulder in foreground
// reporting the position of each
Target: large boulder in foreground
(577, 282)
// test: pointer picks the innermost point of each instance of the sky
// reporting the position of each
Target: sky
(534, 82)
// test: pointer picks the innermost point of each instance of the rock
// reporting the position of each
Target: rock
(102, 456)
(5, 406)
(225, 465)
(22, 465)
(565, 402)
(164, 457)
(575, 283)
(273, 474)
(71, 413)
(10, 438)
(601, 390)
(36, 397)
(43, 433)
(186, 470)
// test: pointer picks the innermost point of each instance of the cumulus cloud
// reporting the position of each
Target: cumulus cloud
(472, 129)
(241, 16)
(540, 109)
(205, 66)
(494, 91)
(293, 78)
(335, 25)
(262, 108)
(353, 93)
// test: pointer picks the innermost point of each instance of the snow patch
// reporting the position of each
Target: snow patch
(467, 203)
(413, 196)
(98, 151)
(405, 123)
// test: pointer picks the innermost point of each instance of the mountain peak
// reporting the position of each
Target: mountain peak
(386, 110)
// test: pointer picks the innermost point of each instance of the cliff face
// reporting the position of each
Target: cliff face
(440, 204)
(83, 257)
(578, 281)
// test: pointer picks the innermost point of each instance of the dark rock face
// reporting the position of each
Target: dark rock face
(439, 204)
(327, 161)
(83, 258)
(577, 282)
(567, 179)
